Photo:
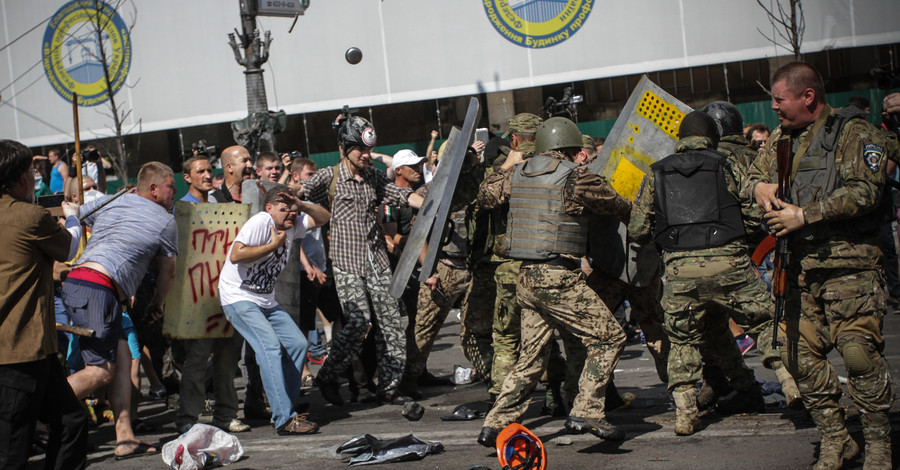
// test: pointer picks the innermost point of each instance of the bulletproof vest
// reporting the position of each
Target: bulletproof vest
(456, 240)
(539, 228)
(817, 177)
(694, 209)
(499, 216)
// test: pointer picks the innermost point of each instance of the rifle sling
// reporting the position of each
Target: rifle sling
(807, 141)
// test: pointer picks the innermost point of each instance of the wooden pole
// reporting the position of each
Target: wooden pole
(77, 159)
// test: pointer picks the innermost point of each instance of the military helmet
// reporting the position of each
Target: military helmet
(356, 131)
(556, 133)
(727, 117)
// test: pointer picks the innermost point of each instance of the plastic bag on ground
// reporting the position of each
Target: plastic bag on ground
(371, 450)
(203, 446)
(463, 375)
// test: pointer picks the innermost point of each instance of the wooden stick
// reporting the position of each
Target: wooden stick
(77, 161)
(75, 330)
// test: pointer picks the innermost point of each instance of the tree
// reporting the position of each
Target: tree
(117, 153)
(787, 25)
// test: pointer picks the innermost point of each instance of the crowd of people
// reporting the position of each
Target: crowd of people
(533, 248)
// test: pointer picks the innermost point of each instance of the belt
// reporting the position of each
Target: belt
(560, 261)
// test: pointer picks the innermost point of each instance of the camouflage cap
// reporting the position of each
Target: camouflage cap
(587, 142)
(523, 122)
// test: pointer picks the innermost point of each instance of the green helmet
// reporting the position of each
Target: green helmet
(556, 133)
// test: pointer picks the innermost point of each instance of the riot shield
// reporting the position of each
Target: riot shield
(436, 208)
(205, 233)
(646, 131)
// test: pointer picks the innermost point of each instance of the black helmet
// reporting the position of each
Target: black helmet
(727, 117)
(356, 132)
(556, 133)
(700, 124)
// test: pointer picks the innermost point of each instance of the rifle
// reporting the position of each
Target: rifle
(784, 157)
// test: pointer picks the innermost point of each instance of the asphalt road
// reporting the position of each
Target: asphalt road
(777, 439)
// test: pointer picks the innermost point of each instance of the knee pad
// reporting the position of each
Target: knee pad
(857, 360)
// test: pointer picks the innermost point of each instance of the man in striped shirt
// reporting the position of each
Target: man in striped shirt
(127, 234)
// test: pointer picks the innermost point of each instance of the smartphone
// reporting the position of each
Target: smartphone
(482, 134)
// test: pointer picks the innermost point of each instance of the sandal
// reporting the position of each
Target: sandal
(308, 382)
(298, 425)
(142, 449)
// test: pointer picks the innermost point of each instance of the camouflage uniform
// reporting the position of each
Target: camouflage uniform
(703, 287)
(553, 295)
(476, 314)
(645, 309)
(432, 309)
(507, 314)
(836, 296)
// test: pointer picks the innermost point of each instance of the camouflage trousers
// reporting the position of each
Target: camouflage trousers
(507, 319)
(432, 309)
(645, 309)
(699, 297)
(843, 309)
(354, 293)
(556, 297)
(476, 320)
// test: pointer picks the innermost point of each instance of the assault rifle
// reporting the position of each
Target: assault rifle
(784, 159)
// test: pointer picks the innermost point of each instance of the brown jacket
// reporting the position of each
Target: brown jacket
(30, 241)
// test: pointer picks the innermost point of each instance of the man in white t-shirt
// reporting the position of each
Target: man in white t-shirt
(247, 293)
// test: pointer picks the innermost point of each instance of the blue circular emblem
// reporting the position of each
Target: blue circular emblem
(537, 23)
(73, 51)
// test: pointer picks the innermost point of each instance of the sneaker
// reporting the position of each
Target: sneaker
(158, 392)
(745, 344)
(298, 425)
(235, 425)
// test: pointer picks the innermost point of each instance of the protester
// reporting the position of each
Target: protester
(32, 380)
(128, 234)
(247, 293)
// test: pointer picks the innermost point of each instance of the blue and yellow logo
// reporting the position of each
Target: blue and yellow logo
(74, 47)
(537, 23)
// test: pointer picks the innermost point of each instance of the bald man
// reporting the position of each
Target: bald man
(238, 167)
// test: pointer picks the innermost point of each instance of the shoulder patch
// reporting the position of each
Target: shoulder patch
(873, 154)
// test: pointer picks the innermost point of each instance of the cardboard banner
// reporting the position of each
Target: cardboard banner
(205, 234)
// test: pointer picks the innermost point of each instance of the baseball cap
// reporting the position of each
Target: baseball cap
(523, 122)
(406, 157)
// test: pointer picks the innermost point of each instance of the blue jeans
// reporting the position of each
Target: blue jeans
(280, 352)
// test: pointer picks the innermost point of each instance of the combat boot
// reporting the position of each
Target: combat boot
(747, 401)
(789, 388)
(877, 432)
(687, 421)
(835, 449)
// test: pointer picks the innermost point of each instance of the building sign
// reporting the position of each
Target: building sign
(72, 51)
(537, 23)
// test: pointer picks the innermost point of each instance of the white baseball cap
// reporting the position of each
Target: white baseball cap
(406, 157)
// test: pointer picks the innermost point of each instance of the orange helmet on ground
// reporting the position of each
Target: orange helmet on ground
(519, 449)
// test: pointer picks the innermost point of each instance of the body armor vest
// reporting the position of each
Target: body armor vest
(693, 207)
(456, 243)
(817, 177)
(539, 228)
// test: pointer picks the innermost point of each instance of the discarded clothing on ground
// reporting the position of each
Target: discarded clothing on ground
(368, 449)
